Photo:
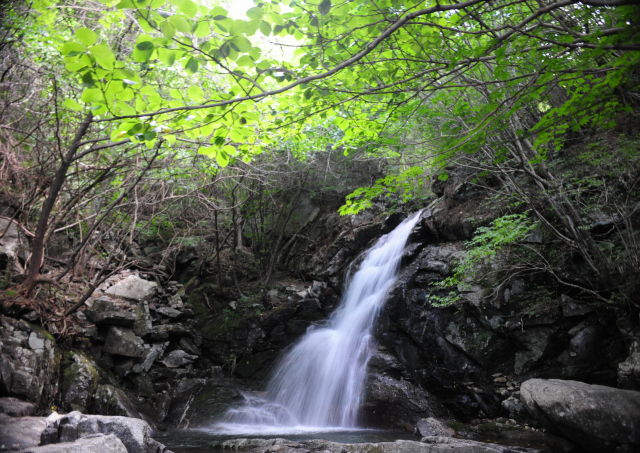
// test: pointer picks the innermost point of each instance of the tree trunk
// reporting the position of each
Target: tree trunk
(276, 246)
(37, 254)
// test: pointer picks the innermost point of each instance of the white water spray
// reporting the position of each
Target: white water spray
(319, 383)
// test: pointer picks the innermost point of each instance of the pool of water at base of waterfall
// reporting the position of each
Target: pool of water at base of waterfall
(204, 441)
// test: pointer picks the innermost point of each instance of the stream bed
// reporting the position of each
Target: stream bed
(204, 441)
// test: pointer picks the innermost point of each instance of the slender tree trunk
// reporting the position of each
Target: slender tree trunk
(276, 246)
(215, 219)
(37, 245)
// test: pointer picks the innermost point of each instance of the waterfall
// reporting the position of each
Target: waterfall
(319, 383)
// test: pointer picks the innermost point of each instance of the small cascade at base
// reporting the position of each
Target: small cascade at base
(318, 385)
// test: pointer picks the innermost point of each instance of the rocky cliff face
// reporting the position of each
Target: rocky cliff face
(180, 354)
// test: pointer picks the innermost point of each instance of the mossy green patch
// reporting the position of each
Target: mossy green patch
(456, 425)
(41, 331)
(212, 328)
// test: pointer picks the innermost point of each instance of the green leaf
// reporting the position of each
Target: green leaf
(104, 56)
(75, 67)
(265, 28)
(219, 11)
(192, 65)
(86, 36)
(276, 18)
(189, 8)
(71, 49)
(238, 28)
(252, 27)
(195, 93)
(73, 104)
(202, 29)
(255, 13)
(241, 44)
(222, 158)
(208, 151)
(166, 56)
(181, 23)
(144, 49)
(245, 60)
(88, 80)
(264, 64)
(324, 7)
(168, 29)
(125, 4)
(91, 95)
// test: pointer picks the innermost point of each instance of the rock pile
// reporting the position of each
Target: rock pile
(76, 433)
(141, 343)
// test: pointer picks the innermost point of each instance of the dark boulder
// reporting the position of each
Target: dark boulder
(123, 341)
(111, 318)
(598, 418)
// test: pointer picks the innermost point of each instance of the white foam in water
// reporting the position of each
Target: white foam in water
(318, 385)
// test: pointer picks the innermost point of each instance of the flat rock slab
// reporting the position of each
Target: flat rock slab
(598, 418)
(97, 443)
(178, 358)
(426, 445)
(20, 433)
(132, 287)
(14, 407)
(169, 312)
(111, 318)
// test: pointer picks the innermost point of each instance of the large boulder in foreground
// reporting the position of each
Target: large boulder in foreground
(598, 418)
(22, 432)
(96, 443)
(135, 434)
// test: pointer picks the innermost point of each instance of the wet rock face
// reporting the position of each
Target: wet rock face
(398, 402)
(29, 362)
(201, 402)
(598, 418)
(79, 382)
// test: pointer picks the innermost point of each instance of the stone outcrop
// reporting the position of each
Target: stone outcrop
(430, 427)
(598, 418)
(29, 362)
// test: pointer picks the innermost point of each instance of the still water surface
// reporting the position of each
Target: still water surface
(204, 441)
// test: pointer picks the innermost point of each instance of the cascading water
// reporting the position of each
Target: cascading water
(319, 383)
